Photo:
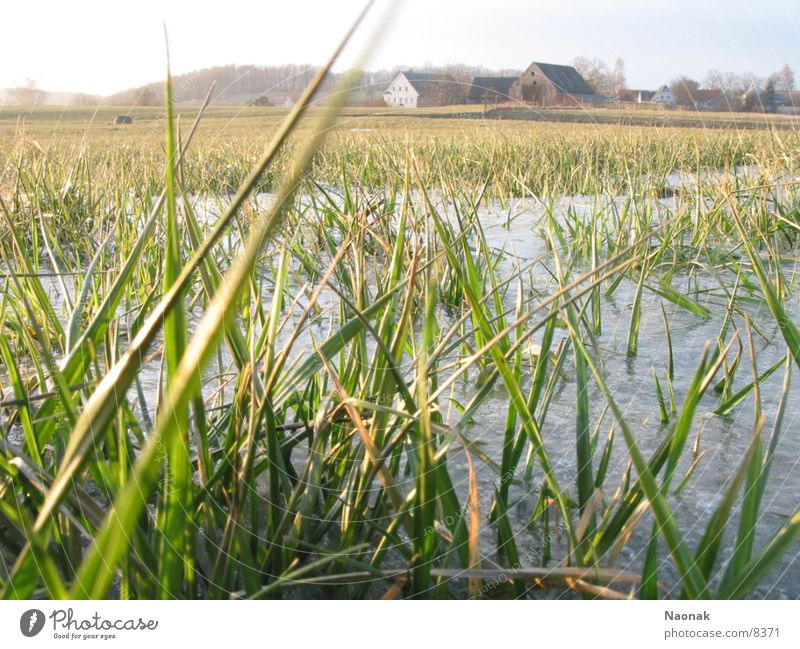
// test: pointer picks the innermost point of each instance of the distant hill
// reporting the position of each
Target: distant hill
(235, 84)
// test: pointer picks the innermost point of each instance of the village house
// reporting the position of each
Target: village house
(788, 103)
(712, 99)
(420, 90)
(490, 90)
(631, 96)
(547, 84)
(662, 97)
(785, 103)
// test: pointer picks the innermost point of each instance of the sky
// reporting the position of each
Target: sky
(101, 47)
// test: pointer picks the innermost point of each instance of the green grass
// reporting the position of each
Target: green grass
(207, 395)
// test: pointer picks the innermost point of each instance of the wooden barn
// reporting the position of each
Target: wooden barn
(421, 89)
(548, 84)
(490, 90)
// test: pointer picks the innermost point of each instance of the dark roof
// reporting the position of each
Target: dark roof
(566, 78)
(787, 98)
(427, 82)
(491, 85)
(629, 94)
(703, 96)
(423, 76)
(593, 98)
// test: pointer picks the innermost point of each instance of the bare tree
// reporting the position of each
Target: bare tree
(717, 80)
(784, 80)
(618, 75)
(84, 99)
(684, 90)
(146, 97)
(732, 82)
(28, 94)
(596, 73)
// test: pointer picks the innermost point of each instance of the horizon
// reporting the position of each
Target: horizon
(655, 44)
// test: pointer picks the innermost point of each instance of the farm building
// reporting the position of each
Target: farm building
(788, 103)
(663, 96)
(420, 89)
(548, 84)
(632, 96)
(490, 90)
(709, 100)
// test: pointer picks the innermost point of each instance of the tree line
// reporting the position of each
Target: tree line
(740, 91)
(268, 85)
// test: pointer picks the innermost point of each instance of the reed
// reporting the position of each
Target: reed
(208, 391)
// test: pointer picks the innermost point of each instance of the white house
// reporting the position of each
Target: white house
(420, 89)
(663, 96)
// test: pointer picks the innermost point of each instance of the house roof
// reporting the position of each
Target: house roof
(594, 98)
(564, 77)
(787, 98)
(630, 94)
(497, 85)
(706, 95)
(426, 83)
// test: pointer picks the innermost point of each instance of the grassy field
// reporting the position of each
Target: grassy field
(74, 119)
(402, 355)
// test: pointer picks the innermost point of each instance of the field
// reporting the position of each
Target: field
(430, 355)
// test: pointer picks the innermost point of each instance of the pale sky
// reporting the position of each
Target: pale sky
(101, 47)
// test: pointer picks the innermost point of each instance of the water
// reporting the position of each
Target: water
(722, 440)
(517, 230)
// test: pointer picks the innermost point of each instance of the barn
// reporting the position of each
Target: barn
(490, 90)
(548, 84)
(422, 89)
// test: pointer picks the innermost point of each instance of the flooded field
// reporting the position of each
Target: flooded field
(507, 361)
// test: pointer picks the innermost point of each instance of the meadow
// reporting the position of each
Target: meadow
(266, 354)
